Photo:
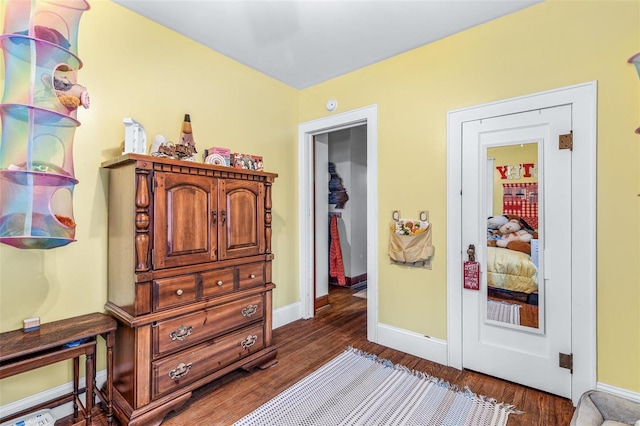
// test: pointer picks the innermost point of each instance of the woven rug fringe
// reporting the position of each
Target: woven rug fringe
(509, 408)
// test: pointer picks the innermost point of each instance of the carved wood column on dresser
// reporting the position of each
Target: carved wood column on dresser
(189, 279)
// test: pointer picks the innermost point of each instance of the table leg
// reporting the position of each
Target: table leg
(95, 371)
(90, 378)
(76, 385)
(109, 385)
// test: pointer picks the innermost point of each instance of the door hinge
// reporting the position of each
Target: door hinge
(566, 361)
(566, 141)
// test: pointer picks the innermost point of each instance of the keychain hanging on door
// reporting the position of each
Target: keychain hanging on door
(471, 270)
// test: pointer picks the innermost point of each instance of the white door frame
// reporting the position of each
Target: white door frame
(369, 116)
(583, 98)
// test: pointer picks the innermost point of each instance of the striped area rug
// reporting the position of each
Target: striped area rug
(357, 388)
(503, 311)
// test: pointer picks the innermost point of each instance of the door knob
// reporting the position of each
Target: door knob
(471, 251)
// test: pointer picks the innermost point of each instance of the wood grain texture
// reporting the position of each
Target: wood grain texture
(199, 253)
(142, 221)
(306, 345)
(121, 244)
(52, 335)
(62, 340)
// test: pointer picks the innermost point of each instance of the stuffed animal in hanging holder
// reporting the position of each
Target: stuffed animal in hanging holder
(69, 93)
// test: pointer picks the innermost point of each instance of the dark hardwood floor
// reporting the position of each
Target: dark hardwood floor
(305, 345)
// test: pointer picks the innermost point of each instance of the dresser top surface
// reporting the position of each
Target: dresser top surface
(149, 160)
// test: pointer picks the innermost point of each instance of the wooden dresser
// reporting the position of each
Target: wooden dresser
(189, 279)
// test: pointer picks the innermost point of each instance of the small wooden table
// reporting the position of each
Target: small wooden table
(58, 341)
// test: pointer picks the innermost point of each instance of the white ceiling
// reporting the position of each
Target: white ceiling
(306, 42)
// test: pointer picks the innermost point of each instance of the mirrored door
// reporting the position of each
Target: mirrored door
(515, 293)
(516, 211)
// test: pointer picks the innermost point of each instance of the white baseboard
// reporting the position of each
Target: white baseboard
(429, 348)
(49, 394)
(286, 314)
(623, 393)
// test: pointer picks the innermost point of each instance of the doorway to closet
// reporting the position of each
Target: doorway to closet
(340, 207)
(310, 147)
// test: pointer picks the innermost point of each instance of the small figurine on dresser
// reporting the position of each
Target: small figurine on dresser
(186, 138)
(184, 150)
(218, 156)
(247, 161)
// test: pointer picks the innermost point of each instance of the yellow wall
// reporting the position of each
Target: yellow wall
(549, 45)
(135, 68)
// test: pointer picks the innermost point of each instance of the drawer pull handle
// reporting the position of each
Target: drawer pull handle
(249, 341)
(252, 276)
(179, 292)
(181, 370)
(181, 333)
(249, 310)
(219, 283)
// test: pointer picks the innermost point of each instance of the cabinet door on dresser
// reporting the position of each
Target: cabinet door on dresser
(185, 216)
(242, 219)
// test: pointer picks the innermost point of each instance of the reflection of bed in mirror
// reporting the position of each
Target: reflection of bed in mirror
(512, 275)
(512, 259)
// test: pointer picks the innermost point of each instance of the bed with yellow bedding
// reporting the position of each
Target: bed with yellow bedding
(510, 270)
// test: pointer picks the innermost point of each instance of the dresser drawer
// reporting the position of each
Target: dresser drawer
(251, 275)
(174, 291)
(217, 282)
(178, 333)
(192, 364)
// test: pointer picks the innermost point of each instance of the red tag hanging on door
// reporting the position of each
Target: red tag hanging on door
(471, 275)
